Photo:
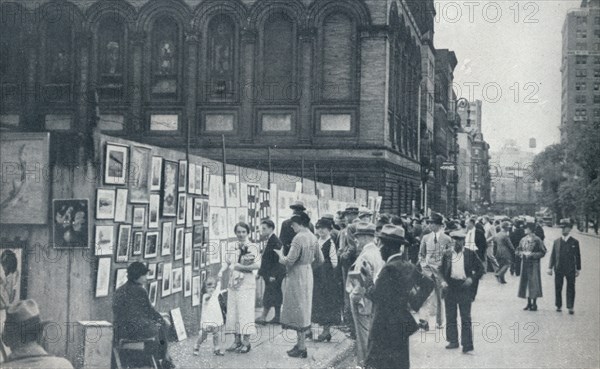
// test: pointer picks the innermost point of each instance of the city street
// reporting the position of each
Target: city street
(507, 337)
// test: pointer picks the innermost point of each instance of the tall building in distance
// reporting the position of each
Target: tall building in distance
(581, 66)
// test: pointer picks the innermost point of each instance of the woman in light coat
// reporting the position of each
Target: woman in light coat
(531, 249)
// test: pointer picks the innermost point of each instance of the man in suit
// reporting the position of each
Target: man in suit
(565, 260)
(392, 297)
(347, 252)
(272, 273)
(515, 238)
(136, 319)
(433, 246)
(286, 233)
(461, 268)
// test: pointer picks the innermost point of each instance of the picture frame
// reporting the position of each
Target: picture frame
(196, 261)
(138, 244)
(182, 180)
(121, 277)
(187, 281)
(159, 270)
(198, 238)
(139, 216)
(123, 243)
(191, 178)
(105, 204)
(156, 174)
(103, 277)
(121, 205)
(152, 270)
(196, 288)
(139, 178)
(187, 258)
(71, 223)
(167, 238)
(181, 208)
(14, 283)
(151, 245)
(152, 292)
(197, 212)
(205, 212)
(189, 212)
(104, 240)
(203, 260)
(205, 180)
(198, 180)
(166, 280)
(179, 239)
(233, 190)
(177, 280)
(116, 164)
(178, 324)
(153, 211)
(170, 190)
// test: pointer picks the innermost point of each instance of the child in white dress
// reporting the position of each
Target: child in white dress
(211, 320)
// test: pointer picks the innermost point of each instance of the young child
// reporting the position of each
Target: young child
(211, 320)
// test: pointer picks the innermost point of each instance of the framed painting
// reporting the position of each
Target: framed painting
(167, 238)
(156, 174)
(187, 253)
(169, 195)
(121, 205)
(151, 247)
(196, 261)
(153, 211)
(139, 216)
(189, 212)
(14, 268)
(24, 199)
(181, 208)
(115, 164)
(123, 243)
(191, 178)
(70, 228)
(151, 270)
(121, 277)
(103, 277)
(104, 241)
(196, 290)
(197, 215)
(198, 180)
(178, 254)
(159, 271)
(138, 243)
(187, 281)
(205, 180)
(139, 178)
(166, 280)
(182, 181)
(177, 280)
(233, 190)
(205, 212)
(105, 204)
(198, 236)
(152, 292)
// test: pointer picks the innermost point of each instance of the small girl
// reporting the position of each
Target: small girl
(211, 320)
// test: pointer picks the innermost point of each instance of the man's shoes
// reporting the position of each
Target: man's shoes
(167, 364)
(301, 354)
(236, 346)
(558, 310)
(309, 334)
(571, 311)
(452, 345)
(468, 349)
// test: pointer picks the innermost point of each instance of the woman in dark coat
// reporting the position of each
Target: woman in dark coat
(531, 249)
(326, 305)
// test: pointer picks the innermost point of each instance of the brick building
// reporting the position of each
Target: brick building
(335, 83)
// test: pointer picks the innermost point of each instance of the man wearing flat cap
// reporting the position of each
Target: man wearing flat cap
(22, 332)
(565, 261)
(461, 270)
(136, 319)
(287, 234)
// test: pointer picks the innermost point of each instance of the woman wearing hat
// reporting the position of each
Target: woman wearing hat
(326, 307)
(298, 284)
(531, 249)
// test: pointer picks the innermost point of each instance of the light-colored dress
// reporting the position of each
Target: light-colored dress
(240, 299)
(298, 284)
(212, 316)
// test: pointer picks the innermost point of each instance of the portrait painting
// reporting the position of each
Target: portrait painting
(103, 277)
(70, 223)
(104, 241)
(151, 247)
(139, 216)
(182, 181)
(139, 177)
(167, 238)
(153, 211)
(121, 205)
(178, 254)
(181, 208)
(123, 243)
(138, 243)
(196, 288)
(177, 280)
(152, 292)
(187, 281)
(105, 204)
(169, 195)
(116, 160)
(13, 272)
(24, 199)
(166, 280)
(156, 174)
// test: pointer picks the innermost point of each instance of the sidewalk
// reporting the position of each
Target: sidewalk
(269, 348)
(590, 233)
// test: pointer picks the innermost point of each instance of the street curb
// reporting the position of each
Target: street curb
(342, 354)
(588, 235)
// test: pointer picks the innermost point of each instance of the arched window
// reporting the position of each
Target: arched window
(111, 56)
(59, 68)
(338, 57)
(166, 60)
(221, 56)
(278, 50)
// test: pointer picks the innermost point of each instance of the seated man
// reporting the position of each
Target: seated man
(136, 319)
(22, 332)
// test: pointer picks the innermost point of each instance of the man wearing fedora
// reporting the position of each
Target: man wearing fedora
(393, 298)
(461, 269)
(23, 330)
(433, 246)
(287, 234)
(565, 260)
(363, 272)
(136, 319)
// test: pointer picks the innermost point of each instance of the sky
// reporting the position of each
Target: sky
(509, 56)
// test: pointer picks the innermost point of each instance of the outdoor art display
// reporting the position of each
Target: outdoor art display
(153, 211)
(181, 208)
(182, 181)
(105, 204)
(121, 205)
(156, 176)
(70, 223)
(170, 191)
(123, 243)
(138, 243)
(166, 281)
(187, 281)
(139, 216)
(139, 177)
(167, 238)
(177, 280)
(151, 247)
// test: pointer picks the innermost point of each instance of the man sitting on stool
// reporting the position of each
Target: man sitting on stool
(136, 319)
